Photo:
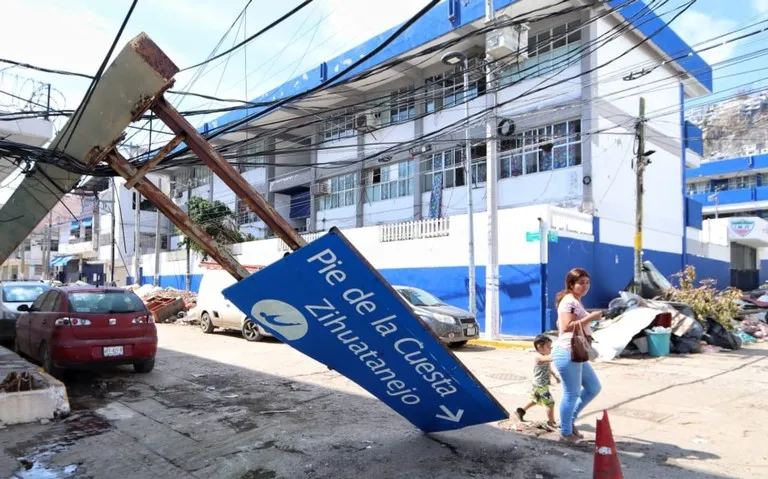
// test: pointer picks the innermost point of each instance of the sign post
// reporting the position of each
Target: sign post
(345, 315)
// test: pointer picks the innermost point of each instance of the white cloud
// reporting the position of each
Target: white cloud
(696, 27)
(760, 5)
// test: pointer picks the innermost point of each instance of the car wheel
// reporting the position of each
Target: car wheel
(144, 366)
(251, 331)
(205, 323)
(458, 344)
(48, 366)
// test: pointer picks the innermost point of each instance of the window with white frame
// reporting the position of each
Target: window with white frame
(697, 188)
(447, 89)
(450, 165)
(548, 51)
(740, 182)
(340, 126)
(249, 156)
(343, 193)
(388, 182)
(400, 108)
(546, 148)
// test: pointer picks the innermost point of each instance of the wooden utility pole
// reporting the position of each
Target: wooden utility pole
(640, 164)
(188, 242)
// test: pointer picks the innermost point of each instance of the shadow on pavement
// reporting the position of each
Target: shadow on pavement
(204, 418)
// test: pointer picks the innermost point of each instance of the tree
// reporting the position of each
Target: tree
(217, 220)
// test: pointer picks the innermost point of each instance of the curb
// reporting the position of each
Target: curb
(502, 344)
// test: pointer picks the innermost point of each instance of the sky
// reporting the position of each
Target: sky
(75, 35)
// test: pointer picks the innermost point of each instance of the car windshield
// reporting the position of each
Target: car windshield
(418, 297)
(23, 293)
(105, 302)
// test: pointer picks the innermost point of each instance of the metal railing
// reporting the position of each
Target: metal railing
(410, 230)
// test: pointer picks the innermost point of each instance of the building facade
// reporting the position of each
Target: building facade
(385, 157)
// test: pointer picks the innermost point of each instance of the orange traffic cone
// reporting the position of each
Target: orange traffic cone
(606, 459)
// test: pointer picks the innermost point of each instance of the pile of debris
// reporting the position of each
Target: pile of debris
(16, 382)
(166, 304)
(630, 320)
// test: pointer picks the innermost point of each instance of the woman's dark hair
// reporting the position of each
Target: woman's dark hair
(571, 279)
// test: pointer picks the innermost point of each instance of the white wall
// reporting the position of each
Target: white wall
(345, 217)
(388, 211)
(449, 250)
(343, 150)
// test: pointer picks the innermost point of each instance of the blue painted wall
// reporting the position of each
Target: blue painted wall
(519, 292)
(763, 272)
(176, 281)
(707, 268)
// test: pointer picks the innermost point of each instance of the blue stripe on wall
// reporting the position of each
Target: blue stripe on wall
(519, 292)
(176, 281)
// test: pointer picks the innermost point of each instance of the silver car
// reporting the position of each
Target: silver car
(452, 325)
(14, 294)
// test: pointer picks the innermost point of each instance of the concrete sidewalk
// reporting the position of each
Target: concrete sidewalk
(47, 400)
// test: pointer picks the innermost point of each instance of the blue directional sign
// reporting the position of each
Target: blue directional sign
(326, 301)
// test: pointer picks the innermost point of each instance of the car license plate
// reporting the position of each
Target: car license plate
(471, 331)
(113, 351)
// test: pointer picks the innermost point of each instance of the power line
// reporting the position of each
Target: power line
(298, 8)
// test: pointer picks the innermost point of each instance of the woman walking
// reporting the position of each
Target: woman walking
(580, 383)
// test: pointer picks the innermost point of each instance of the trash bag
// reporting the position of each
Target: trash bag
(685, 345)
(696, 331)
(746, 338)
(716, 335)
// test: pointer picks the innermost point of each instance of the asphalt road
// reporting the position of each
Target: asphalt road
(217, 406)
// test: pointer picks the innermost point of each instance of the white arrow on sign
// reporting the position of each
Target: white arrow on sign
(449, 416)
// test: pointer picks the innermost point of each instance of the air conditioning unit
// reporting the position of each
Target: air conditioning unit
(367, 121)
(508, 42)
(322, 188)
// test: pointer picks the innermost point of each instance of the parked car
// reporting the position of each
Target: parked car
(214, 311)
(452, 325)
(82, 326)
(13, 295)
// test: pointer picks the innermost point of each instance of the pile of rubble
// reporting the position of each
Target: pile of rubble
(166, 304)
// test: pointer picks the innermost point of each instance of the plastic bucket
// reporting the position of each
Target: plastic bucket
(658, 344)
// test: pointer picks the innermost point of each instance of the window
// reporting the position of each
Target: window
(105, 303)
(190, 178)
(88, 233)
(16, 293)
(447, 89)
(740, 182)
(450, 164)
(343, 192)
(697, 188)
(401, 107)
(391, 181)
(249, 157)
(244, 214)
(54, 244)
(340, 126)
(545, 148)
(548, 51)
(146, 205)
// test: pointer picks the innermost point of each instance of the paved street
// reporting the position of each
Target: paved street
(217, 406)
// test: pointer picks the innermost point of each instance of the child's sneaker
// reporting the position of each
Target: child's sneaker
(520, 413)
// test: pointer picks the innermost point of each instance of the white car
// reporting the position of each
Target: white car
(214, 311)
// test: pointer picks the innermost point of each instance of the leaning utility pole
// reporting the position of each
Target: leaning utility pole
(640, 164)
(492, 316)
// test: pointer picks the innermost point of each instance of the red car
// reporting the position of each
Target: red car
(77, 327)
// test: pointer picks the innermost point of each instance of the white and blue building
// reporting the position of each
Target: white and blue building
(387, 164)
(734, 197)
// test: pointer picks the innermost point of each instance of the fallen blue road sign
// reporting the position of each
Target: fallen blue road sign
(326, 301)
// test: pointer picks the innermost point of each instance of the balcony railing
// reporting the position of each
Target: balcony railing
(309, 237)
(730, 197)
(77, 248)
(429, 228)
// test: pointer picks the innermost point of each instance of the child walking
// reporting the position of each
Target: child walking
(542, 370)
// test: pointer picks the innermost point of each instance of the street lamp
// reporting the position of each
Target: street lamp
(454, 59)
